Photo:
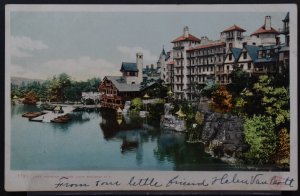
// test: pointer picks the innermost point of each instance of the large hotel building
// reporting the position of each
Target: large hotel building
(193, 60)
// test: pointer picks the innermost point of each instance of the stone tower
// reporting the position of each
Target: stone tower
(139, 64)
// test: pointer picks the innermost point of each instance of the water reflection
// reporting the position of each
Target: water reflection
(126, 143)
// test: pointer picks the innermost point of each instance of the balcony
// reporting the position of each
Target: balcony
(178, 47)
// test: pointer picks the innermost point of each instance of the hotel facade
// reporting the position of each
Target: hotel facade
(194, 60)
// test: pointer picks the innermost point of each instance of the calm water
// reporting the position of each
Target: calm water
(96, 141)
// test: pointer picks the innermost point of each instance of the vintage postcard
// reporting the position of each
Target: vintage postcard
(151, 97)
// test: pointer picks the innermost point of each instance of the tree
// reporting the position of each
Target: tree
(93, 84)
(240, 80)
(282, 156)
(159, 90)
(267, 99)
(64, 81)
(275, 100)
(260, 135)
(136, 104)
(221, 100)
(209, 88)
(30, 98)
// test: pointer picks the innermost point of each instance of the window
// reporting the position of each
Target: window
(227, 67)
(230, 57)
(230, 45)
(259, 54)
(249, 65)
(132, 73)
(207, 68)
(211, 68)
(245, 55)
(253, 43)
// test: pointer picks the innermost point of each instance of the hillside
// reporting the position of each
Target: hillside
(20, 80)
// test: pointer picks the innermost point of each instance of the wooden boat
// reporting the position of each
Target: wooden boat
(61, 119)
(32, 114)
(57, 120)
(35, 120)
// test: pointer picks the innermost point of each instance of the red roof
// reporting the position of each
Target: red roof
(207, 46)
(189, 38)
(262, 30)
(234, 28)
(171, 63)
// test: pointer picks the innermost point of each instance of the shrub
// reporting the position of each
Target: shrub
(260, 135)
(221, 100)
(136, 104)
(282, 156)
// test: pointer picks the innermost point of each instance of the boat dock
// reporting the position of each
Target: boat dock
(50, 115)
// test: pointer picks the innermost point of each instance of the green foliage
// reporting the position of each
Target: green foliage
(58, 88)
(195, 121)
(136, 104)
(194, 134)
(199, 118)
(274, 100)
(240, 80)
(156, 110)
(159, 90)
(260, 135)
(209, 88)
(267, 99)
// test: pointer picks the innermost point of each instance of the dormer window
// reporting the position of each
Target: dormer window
(230, 57)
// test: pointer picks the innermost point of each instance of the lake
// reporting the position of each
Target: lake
(97, 140)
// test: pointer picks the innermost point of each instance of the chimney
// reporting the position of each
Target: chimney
(186, 31)
(204, 40)
(152, 66)
(268, 22)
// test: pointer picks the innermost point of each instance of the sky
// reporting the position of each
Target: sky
(94, 44)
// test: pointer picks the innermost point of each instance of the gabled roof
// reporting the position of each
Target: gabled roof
(263, 30)
(252, 51)
(128, 66)
(236, 52)
(234, 28)
(207, 46)
(183, 38)
(120, 83)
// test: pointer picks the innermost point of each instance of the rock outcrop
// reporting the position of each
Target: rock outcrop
(223, 134)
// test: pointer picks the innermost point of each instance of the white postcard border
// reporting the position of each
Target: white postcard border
(16, 180)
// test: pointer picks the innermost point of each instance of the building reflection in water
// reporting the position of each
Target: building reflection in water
(132, 131)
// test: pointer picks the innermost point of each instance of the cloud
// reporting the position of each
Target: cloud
(81, 68)
(22, 46)
(129, 54)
